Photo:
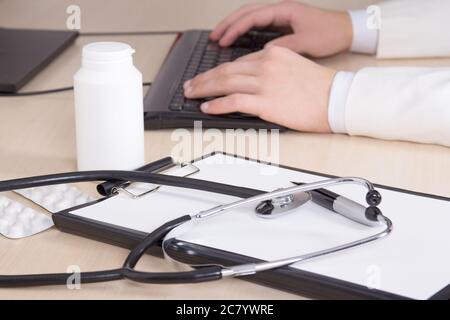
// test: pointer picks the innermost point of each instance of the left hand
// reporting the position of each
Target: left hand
(274, 84)
(310, 30)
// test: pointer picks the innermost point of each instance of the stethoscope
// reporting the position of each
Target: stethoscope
(266, 204)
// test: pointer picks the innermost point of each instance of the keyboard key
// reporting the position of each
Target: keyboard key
(243, 42)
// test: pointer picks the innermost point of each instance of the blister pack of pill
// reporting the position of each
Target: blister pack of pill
(18, 221)
(56, 198)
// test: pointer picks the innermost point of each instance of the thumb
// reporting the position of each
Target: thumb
(290, 41)
(237, 102)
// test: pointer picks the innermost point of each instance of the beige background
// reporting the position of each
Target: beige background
(37, 137)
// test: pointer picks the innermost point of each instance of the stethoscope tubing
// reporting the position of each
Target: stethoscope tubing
(134, 176)
(125, 272)
(205, 273)
(153, 238)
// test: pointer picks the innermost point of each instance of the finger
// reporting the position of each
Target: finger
(255, 56)
(220, 29)
(293, 42)
(227, 69)
(244, 103)
(258, 18)
(223, 85)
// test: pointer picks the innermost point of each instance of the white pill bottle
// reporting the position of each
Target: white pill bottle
(109, 109)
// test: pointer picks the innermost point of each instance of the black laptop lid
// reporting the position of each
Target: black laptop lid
(23, 53)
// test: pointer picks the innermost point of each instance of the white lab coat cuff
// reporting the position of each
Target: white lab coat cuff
(365, 39)
(338, 99)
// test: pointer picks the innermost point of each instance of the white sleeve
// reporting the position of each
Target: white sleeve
(398, 103)
(414, 28)
(365, 37)
(337, 100)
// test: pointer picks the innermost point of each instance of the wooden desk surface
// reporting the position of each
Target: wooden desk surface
(37, 137)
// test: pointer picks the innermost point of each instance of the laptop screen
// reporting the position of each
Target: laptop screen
(23, 53)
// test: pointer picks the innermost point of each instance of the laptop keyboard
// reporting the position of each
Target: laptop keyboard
(208, 55)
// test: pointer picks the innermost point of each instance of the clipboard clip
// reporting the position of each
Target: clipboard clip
(187, 169)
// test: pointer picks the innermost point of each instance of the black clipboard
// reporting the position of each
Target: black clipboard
(287, 279)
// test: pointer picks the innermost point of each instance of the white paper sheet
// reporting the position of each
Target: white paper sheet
(413, 261)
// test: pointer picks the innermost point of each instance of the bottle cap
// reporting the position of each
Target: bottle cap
(107, 51)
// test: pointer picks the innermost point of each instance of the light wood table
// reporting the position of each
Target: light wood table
(37, 137)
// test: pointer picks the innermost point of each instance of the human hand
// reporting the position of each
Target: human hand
(274, 84)
(315, 32)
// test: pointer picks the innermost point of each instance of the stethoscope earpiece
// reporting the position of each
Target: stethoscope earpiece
(373, 198)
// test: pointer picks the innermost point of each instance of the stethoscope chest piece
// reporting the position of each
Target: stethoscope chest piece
(282, 205)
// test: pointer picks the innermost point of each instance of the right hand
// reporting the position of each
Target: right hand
(274, 84)
(315, 32)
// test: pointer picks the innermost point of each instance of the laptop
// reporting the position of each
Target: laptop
(23, 53)
(192, 53)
